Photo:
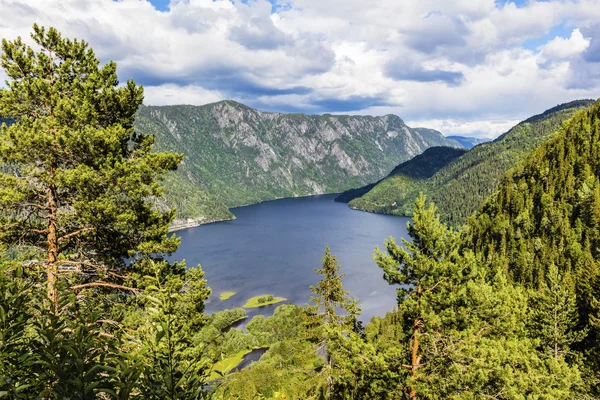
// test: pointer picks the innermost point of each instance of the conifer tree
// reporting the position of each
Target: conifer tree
(419, 267)
(78, 180)
(324, 322)
(464, 325)
(554, 316)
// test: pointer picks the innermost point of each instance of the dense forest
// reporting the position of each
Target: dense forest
(409, 175)
(459, 187)
(90, 307)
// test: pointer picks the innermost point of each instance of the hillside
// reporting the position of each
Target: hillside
(467, 142)
(549, 201)
(411, 172)
(545, 217)
(459, 187)
(236, 155)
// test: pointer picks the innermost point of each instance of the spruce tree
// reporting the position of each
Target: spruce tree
(324, 323)
(553, 315)
(78, 181)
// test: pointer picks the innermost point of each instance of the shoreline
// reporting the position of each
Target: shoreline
(196, 222)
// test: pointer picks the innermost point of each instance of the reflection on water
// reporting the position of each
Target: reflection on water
(273, 248)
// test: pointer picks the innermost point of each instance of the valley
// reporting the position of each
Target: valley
(236, 155)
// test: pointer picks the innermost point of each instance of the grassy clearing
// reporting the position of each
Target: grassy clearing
(227, 364)
(225, 295)
(263, 300)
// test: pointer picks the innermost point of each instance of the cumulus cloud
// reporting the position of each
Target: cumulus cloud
(459, 65)
(170, 93)
(561, 48)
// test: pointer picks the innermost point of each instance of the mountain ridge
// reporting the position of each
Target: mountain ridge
(236, 155)
(460, 186)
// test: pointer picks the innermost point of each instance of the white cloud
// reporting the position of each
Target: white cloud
(170, 94)
(561, 48)
(459, 64)
(487, 129)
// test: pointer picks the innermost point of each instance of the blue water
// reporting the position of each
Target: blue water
(273, 248)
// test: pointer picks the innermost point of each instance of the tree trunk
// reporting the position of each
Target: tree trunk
(51, 268)
(414, 360)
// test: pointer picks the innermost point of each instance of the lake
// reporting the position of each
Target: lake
(273, 248)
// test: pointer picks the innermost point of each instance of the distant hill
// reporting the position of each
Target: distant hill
(236, 155)
(467, 142)
(410, 174)
(460, 186)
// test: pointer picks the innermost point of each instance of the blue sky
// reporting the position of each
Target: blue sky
(471, 67)
(162, 5)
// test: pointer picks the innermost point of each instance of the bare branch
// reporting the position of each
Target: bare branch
(105, 284)
(78, 232)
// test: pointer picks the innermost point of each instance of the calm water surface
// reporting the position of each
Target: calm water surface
(273, 248)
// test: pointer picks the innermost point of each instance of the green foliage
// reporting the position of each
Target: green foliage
(416, 169)
(325, 326)
(285, 371)
(78, 187)
(79, 180)
(554, 318)
(461, 185)
(264, 300)
(16, 360)
(224, 319)
(191, 201)
(544, 215)
(459, 331)
(284, 324)
(330, 296)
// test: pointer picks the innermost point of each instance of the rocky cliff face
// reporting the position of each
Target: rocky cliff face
(239, 155)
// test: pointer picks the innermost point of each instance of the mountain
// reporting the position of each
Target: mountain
(546, 210)
(467, 142)
(543, 222)
(236, 155)
(460, 186)
(410, 172)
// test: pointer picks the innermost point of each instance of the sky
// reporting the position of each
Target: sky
(467, 67)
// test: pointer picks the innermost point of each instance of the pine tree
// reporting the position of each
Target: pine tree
(464, 325)
(78, 182)
(419, 267)
(324, 322)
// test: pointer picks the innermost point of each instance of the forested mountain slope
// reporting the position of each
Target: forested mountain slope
(409, 173)
(459, 187)
(547, 208)
(545, 216)
(236, 155)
